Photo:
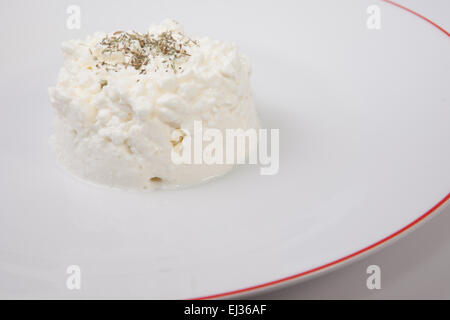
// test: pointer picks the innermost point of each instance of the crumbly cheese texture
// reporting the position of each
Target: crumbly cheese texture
(115, 125)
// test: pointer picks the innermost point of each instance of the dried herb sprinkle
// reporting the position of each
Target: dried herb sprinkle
(138, 49)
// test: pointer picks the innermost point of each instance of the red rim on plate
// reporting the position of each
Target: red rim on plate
(359, 252)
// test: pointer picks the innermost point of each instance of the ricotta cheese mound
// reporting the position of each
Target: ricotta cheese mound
(121, 97)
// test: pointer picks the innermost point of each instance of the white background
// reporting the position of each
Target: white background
(353, 189)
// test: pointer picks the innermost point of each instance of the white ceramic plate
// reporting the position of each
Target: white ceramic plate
(364, 129)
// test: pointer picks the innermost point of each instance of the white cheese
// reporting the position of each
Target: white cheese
(115, 127)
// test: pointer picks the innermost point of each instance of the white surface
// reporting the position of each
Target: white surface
(363, 118)
(415, 267)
